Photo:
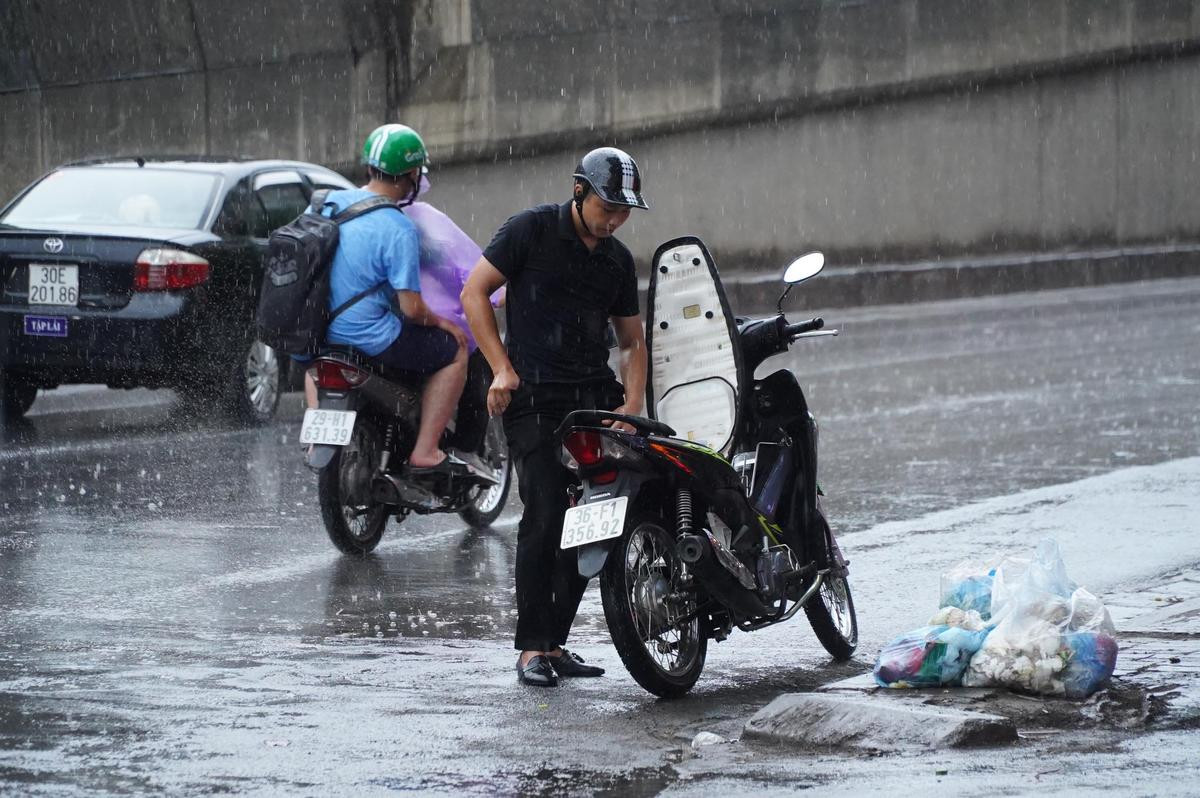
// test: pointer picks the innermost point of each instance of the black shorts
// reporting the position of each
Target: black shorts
(421, 350)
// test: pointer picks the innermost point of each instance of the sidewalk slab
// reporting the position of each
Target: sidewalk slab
(873, 723)
(956, 278)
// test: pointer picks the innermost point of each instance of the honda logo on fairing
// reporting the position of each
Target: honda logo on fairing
(53, 245)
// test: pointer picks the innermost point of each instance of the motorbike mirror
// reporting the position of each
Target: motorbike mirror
(804, 267)
(799, 270)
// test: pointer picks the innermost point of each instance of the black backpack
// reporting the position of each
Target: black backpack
(293, 305)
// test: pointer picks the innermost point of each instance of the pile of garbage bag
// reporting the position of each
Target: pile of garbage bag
(1017, 623)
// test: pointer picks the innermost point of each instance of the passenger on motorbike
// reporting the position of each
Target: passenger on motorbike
(566, 277)
(383, 249)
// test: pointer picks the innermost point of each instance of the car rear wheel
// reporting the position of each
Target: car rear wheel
(246, 391)
(16, 396)
(253, 390)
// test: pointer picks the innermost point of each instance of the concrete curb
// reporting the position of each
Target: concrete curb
(954, 279)
(868, 723)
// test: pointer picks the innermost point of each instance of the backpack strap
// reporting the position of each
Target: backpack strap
(361, 295)
(363, 206)
(317, 203)
(358, 209)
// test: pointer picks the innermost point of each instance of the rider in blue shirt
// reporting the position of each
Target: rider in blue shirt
(382, 248)
(373, 249)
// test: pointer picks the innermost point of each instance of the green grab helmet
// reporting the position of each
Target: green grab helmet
(394, 149)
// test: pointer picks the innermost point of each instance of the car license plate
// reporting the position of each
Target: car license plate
(332, 427)
(589, 523)
(50, 326)
(53, 284)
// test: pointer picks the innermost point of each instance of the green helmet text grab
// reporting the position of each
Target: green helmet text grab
(394, 149)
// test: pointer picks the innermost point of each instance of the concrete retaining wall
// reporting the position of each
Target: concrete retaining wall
(885, 130)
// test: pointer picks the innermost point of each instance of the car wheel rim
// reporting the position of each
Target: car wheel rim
(262, 378)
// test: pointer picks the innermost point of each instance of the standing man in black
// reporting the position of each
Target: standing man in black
(567, 278)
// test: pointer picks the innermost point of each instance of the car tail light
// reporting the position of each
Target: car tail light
(162, 269)
(337, 376)
(584, 447)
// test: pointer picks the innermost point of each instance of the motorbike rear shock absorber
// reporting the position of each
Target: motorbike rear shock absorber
(683, 512)
(388, 435)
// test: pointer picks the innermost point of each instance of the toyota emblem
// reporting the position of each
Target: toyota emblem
(53, 245)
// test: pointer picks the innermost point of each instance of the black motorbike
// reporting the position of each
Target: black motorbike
(362, 433)
(720, 526)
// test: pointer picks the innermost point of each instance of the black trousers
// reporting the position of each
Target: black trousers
(549, 586)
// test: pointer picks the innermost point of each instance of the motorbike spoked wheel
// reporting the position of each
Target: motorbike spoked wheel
(641, 588)
(487, 503)
(354, 523)
(831, 614)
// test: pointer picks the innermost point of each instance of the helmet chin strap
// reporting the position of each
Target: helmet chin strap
(579, 209)
(412, 195)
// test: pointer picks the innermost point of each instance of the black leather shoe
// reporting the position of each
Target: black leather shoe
(572, 665)
(537, 672)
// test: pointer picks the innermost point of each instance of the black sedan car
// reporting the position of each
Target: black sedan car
(145, 272)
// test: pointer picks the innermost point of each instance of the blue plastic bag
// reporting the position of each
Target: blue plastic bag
(971, 593)
(1091, 658)
(932, 656)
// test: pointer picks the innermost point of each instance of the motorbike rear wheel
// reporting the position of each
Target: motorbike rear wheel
(354, 523)
(643, 596)
(487, 503)
(831, 614)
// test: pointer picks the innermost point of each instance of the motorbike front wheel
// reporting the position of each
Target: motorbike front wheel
(487, 503)
(831, 614)
(354, 523)
(645, 606)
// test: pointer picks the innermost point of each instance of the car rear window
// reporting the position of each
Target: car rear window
(118, 197)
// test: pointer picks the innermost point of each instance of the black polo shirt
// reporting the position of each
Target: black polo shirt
(560, 295)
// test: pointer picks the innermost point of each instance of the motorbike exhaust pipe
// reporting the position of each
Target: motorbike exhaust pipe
(697, 552)
(691, 548)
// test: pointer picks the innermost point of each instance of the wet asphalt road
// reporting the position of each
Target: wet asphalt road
(176, 621)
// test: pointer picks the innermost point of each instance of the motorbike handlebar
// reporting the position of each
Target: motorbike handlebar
(801, 327)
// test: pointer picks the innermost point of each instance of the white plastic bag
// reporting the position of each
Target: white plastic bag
(1050, 638)
(981, 586)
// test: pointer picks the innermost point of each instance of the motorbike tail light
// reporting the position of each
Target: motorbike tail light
(161, 269)
(584, 447)
(337, 376)
(603, 477)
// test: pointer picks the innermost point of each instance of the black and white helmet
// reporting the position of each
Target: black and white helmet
(613, 175)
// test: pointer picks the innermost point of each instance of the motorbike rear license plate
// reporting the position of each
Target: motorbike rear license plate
(589, 523)
(331, 427)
